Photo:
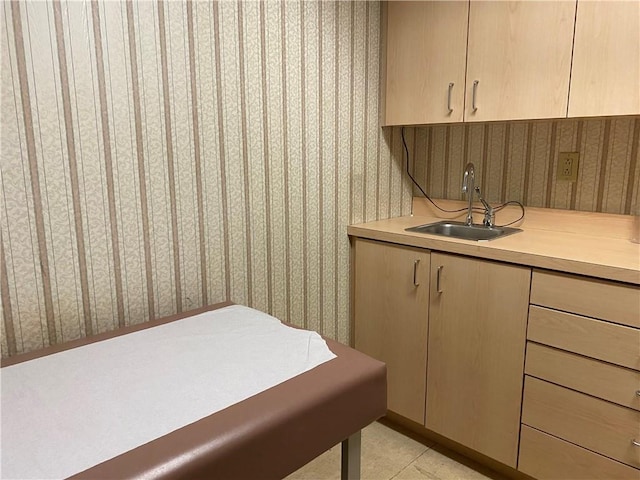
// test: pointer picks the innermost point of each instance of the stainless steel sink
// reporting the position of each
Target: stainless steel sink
(463, 231)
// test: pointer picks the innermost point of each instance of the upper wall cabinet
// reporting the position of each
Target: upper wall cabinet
(518, 59)
(605, 78)
(426, 52)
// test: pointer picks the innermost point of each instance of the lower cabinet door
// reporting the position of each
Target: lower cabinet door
(391, 304)
(477, 332)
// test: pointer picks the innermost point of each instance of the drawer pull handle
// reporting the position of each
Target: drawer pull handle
(415, 273)
(635, 443)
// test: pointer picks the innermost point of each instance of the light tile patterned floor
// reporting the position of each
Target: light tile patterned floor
(388, 454)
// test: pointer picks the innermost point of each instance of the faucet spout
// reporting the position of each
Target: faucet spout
(468, 183)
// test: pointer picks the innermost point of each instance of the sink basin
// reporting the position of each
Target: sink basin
(463, 231)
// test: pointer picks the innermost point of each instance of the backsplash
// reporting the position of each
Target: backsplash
(518, 161)
(158, 156)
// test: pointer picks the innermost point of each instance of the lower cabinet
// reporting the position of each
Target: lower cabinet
(474, 312)
(453, 331)
(477, 334)
(391, 302)
(581, 409)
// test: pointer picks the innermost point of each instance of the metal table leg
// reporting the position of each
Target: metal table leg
(351, 457)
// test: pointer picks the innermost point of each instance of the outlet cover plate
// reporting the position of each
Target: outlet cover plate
(568, 166)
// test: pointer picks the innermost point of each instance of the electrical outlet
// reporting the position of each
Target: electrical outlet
(568, 166)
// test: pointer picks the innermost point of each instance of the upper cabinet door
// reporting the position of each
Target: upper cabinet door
(519, 59)
(426, 54)
(605, 78)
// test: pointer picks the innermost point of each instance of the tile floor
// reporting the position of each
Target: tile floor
(388, 454)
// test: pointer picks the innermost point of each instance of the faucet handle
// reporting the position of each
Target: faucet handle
(489, 214)
(482, 200)
(489, 218)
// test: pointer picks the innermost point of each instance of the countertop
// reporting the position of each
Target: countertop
(585, 243)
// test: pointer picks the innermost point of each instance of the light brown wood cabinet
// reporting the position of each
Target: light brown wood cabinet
(518, 59)
(581, 410)
(605, 76)
(477, 334)
(426, 55)
(453, 331)
(475, 314)
(517, 56)
(523, 60)
(390, 309)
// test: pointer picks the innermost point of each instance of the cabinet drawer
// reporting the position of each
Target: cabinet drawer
(593, 338)
(589, 422)
(609, 382)
(548, 458)
(616, 302)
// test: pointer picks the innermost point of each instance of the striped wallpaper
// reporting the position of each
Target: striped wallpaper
(162, 155)
(518, 161)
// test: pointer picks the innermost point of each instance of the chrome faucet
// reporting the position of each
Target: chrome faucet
(468, 182)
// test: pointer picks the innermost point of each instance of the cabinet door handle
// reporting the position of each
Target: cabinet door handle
(635, 443)
(438, 276)
(415, 273)
(473, 97)
(638, 393)
(449, 98)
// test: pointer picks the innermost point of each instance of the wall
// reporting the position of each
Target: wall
(518, 161)
(157, 156)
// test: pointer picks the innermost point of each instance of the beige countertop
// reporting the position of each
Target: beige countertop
(594, 244)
